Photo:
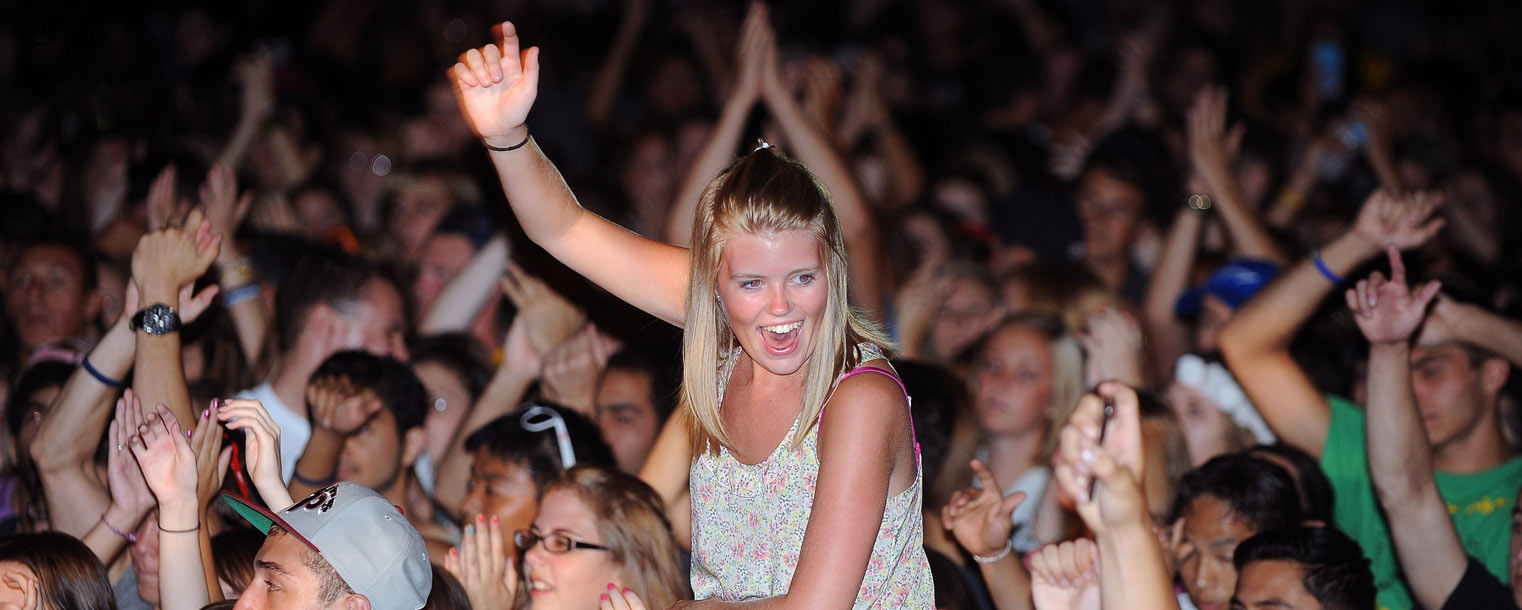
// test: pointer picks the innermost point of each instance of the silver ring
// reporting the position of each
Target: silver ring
(119, 447)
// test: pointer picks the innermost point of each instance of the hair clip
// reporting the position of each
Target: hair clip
(760, 144)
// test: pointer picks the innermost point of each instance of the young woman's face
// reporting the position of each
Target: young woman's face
(1012, 387)
(448, 403)
(1207, 431)
(774, 292)
(576, 579)
(500, 488)
(965, 311)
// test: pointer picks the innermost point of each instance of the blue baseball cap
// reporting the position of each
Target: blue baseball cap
(1234, 283)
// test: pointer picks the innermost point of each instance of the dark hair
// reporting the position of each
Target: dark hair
(233, 552)
(505, 438)
(40, 376)
(1311, 484)
(391, 380)
(457, 352)
(1140, 159)
(1336, 572)
(1257, 492)
(664, 379)
(89, 276)
(323, 277)
(947, 435)
(69, 575)
(951, 589)
(468, 221)
(447, 592)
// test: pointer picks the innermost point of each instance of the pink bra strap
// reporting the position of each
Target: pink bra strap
(871, 369)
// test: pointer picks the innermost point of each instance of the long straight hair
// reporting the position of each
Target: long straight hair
(764, 193)
(631, 519)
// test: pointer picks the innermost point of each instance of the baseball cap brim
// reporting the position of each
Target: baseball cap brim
(261, 518)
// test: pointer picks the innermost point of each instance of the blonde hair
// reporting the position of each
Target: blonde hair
(763, 193)
(631, 519)
(1067, 367)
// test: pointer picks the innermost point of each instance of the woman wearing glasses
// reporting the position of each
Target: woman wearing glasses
(599, 532)
(805, 482)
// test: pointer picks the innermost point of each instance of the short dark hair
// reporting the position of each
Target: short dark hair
(539, 452)
(89, 276)
(70, 574)
(391, 380)
(459, 353)
(1257, 492)
(233, 552)
(323, 277)
(1311, 484)
(1336, 572)
(664, 379)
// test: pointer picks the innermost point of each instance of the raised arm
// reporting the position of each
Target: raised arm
(666, 470)
(1400, 455)
(1210, 151)
(165, 265)
(169, 466)
(1169, 336)
(615, 66)
(817, 151)
(719, 151)
(226, 209)
(496, 85)
(1256, 341)
(979, 519)
(462, 299)
(1451, 320)
(130, 497)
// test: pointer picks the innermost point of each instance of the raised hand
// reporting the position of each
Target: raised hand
(171, 258)
(750, 55)
(550, 318)
(129, 492)
(1065, 576)
(571, 370)
(483, 565)
(1112, 344)
(211, 458)
(339, 407)
(979, 519)
(625, 599)
(1389, 311)
(1211, 147)
(169, 467)
(219, 196)
(1110, 453)
(496, 86)
(162, 204)
(261, 447)
(256, 79)
(1402, 221)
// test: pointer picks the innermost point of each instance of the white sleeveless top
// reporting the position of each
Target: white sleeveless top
(748, 522)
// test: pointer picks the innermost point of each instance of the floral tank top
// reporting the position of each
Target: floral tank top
(748, 522)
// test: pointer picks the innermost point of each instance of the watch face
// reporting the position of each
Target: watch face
(158, 319)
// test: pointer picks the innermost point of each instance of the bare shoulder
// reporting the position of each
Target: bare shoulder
(869, 396)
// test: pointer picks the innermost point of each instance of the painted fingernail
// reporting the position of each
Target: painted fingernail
(470, 529)
(626, 591)
(480, 518)
(454, 551)
(216, 403)
(493, 519)
(187, 434)
(206, 414)
(605, 597)
(611, 588)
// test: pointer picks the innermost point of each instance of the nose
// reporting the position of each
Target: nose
(779, 304)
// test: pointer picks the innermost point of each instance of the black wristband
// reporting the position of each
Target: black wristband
(508, 149)
(326, 481)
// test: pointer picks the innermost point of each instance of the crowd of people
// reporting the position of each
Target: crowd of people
(966, 304)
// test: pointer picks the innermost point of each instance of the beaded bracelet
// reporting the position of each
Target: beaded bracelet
(131, 537)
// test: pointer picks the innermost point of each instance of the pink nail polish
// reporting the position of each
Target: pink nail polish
(206, 414)
(187, 434)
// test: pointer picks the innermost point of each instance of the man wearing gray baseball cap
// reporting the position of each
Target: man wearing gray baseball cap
(342, 547)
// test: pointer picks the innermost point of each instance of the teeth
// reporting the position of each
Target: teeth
(539, 586)
(782, 329)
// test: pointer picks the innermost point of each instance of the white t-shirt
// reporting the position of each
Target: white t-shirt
(295, 430)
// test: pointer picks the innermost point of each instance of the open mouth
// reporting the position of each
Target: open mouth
(781, 339)
(539, 587)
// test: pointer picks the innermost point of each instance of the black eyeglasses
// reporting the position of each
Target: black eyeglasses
(558, 544)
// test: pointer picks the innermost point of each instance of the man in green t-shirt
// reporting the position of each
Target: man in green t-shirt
(1456, 381)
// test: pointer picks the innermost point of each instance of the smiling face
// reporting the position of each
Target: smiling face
(575, 579)
(773, 290)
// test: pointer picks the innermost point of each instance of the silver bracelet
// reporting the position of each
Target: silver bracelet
(1002, 554)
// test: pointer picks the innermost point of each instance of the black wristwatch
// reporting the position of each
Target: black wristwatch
(156, 319)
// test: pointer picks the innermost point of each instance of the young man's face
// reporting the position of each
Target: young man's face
(500, 488)
(1273, 585)
(1110, 210)
(1451, 392)
(377, 321)
(46, 296)
(627, 416)
(282, 578)
(1211, 535)
(376, 455)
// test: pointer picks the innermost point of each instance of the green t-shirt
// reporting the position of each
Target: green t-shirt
(1480, 502)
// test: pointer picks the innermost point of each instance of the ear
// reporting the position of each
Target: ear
(1493, 375)
(414, 441)
(354, 601)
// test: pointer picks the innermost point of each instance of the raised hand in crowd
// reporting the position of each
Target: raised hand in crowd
(337, 409)
(979, 519)
(130, 497)
(484, 564)
(170, 467)
(1065, 576)
(1112, 344)
(165, 263)
(571, 370)
(261, 449)
(550, 318)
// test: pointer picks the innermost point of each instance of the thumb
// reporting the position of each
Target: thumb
(1010, 503)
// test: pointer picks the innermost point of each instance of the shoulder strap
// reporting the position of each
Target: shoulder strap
(873, 369)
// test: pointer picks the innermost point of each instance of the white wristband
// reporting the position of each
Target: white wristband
(1002, 554)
